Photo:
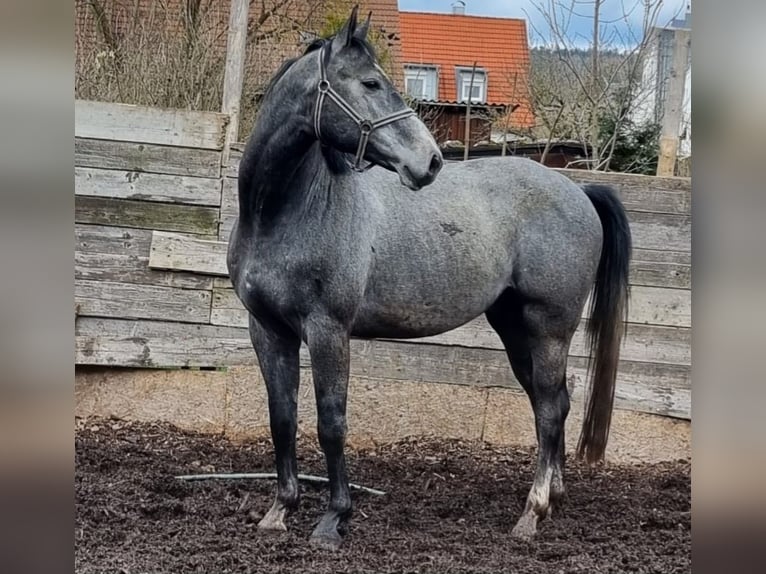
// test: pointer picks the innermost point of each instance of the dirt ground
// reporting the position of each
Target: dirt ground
(450, 507)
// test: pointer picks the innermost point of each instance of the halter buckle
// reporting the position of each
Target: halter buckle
(366, 127)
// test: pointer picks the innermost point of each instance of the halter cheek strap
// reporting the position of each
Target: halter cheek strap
(366, 126)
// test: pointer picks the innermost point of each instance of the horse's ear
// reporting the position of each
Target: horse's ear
(346, 34)
(361, 31)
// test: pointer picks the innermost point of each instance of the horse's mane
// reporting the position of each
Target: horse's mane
(312, 47)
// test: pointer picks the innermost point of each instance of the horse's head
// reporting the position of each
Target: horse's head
(359, 111)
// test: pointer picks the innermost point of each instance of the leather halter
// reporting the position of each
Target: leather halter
(366, 126)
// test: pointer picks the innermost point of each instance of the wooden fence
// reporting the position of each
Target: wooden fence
(155, 202)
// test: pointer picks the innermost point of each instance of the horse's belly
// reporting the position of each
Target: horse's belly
(403, 315)
(407, 323)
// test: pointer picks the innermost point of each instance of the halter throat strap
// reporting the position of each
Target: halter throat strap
(366, 126)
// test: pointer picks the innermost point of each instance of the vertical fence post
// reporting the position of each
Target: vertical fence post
(673, 105)
(234, 74)
(468, 113)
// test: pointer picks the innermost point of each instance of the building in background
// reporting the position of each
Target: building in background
(653, 94)
(438, 52)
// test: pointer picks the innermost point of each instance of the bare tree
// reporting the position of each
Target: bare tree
(577, 85)
(144, 53)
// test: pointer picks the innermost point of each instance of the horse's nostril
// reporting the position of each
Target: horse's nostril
(435, 165)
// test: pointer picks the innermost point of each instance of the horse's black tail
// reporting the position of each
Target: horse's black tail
(608, 313)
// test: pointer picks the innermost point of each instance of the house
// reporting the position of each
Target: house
(438, 52)
(657, 69)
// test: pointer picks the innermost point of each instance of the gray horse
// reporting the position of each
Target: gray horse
(325, 250)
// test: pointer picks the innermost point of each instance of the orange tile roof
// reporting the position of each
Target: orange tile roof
(499, 46)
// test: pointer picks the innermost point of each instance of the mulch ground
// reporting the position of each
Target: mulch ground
(450, 507)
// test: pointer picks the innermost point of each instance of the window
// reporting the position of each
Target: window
(479, 88)
(421, 82)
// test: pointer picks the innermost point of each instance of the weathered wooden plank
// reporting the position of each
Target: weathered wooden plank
(122, 255)
(648, 306)
(658, 306)
(229, 208)
(124, 122)
(225, 227)
(227, 309)
(661, 231)
(129, 343)
(182, 253)
(650, 269)
(222, 282)
(647, 343)
(646, 387)
(96, 182)
(643, 193)
(147, 158)
(671, 195)
(133, 301)
(231, 169)
(133, 269)
(146, 215)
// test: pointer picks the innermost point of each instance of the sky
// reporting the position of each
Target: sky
(580, 29)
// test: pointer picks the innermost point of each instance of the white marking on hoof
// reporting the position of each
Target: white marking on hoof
(526, 527)
(274, 520)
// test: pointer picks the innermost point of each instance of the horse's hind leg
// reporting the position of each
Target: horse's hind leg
(279, 362)
(536, 338)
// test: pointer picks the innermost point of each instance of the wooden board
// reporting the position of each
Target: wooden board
(671, 195)
(653, 268)
(146, 215)
(229, 208)
(646, 387)
(648, 267)
(183, 253)
(658, 306)
(661, 232)
(225, 227)
(649, 306)
(231, 169)
(135, 185)
(648, 343)
(124, 122)
(133, 301)
(147, 158)
(122, 255)
(100, 341)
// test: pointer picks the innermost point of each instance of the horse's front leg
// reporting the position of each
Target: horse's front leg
(279, 362)
(328, 345)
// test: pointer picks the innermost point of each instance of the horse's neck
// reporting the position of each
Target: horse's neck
(283, 164)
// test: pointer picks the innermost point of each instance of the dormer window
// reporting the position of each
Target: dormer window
(421, 82)
(478, 91)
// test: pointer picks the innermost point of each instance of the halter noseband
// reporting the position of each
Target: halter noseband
(366, 127)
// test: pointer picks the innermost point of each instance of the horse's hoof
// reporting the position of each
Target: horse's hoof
(326, 540)
(273, 522)
(525, 528)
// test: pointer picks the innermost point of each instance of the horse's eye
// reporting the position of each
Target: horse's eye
(371, 84)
